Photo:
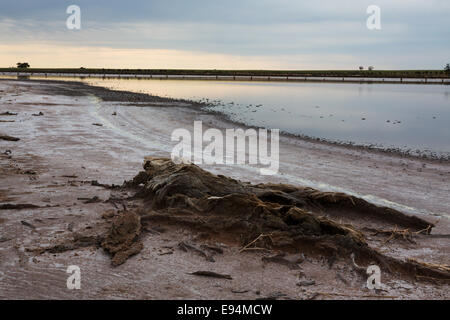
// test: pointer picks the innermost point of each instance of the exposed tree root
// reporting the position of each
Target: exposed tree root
(268, 215)
(329, 201)
(257, 217)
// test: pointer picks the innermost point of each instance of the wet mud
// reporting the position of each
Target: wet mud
(76, 194)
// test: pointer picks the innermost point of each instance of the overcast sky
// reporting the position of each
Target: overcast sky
(240, 34)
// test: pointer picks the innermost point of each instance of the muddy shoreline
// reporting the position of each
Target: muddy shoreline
(398, 152)
(62, 204)
(126, 96)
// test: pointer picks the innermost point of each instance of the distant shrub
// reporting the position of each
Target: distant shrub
(23, 65)
(447, 68)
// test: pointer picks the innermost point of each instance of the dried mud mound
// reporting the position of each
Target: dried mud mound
(122, 240)
(118, 234)
(269, 215)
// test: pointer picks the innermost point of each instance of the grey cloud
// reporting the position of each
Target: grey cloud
(418, 28)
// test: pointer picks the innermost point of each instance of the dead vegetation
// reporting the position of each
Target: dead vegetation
(257, 217)
(270, 216)
(119, 235)
(122, 239)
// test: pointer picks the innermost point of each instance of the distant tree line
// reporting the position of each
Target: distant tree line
(361, 71)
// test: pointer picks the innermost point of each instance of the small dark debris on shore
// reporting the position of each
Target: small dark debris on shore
(27, 224)
(7, 113)
(38, 114)
(306, 282)
(186, 246)
(94, 199)
(213, 248)
(69, 176)
(239, 291)
(165, 251)
(273, 296)
(212, 274)
(20, 206)
(4, 239)
(291, 261)
(30, 172)
(70, 226)
(95, 183)
(8, 138)
(97, 124)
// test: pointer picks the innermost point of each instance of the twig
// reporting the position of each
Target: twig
(358, 268)
(254, 241)
(431, 278)
(405, 234)
(212, 274)
(426, 230)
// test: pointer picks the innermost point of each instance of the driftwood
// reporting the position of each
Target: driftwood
(8, 138)
(212, 275)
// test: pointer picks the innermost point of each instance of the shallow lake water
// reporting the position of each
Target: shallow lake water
(410, 117)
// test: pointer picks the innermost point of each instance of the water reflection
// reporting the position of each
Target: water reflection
(406, 116)
(402, 116)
